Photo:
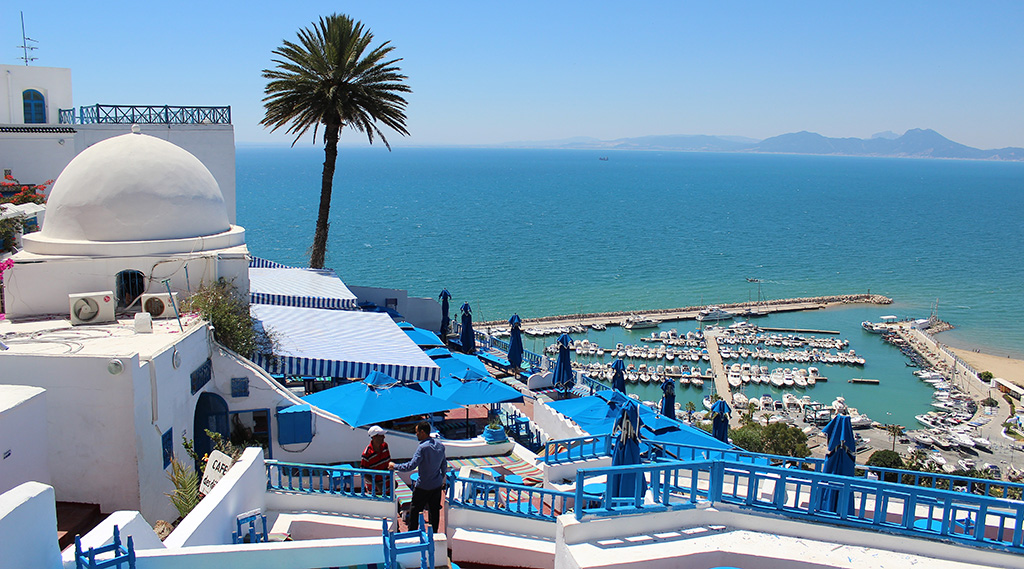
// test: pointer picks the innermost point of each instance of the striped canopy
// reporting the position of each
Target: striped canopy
(309, 288)
(340, 343)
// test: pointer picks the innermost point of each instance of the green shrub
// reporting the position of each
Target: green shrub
(233, 326)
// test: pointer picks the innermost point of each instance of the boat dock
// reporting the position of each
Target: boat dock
(864, 380)
(718, 368)
(800, 330)
(690, 312)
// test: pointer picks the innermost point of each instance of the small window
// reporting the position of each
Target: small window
(35, 107)
(167, 442)
(239, 387)
(129, 284)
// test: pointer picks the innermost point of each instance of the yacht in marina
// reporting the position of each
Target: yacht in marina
(714, 314)
(634, 322)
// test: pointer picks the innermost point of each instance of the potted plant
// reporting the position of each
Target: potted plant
(494, 432)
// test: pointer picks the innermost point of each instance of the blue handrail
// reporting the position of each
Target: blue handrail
(937, 480)
(145, 114)
(579, 448)
(509, 499)
(365, 483)
(893, 508)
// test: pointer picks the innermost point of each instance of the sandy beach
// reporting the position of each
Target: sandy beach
(1001, 366)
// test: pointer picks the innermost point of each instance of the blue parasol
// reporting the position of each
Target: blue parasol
(720, 420)
(627, 452)
(515, 344)
(444, 297)
(376, 399)
(619, 375)
(668, 398)
(466, 338)
(563, 378)
(840, 460)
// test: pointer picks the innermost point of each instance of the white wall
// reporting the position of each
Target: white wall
(36, 157)
(23, 436)
(53, 82)
(33, 288)
(420, 312)
(28, 524)
(242, 489)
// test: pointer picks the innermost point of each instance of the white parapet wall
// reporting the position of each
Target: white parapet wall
(242, 489)
(24, 446)
(28, 524)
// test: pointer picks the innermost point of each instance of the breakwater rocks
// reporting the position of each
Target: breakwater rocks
(669, 314)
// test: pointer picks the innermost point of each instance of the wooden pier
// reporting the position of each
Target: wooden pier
(690, 312)
(800, 330)
(718, 369)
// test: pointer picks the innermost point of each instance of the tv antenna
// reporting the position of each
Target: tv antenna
(25, 47)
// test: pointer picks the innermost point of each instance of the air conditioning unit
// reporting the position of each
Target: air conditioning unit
(160, 305)
(92, 307)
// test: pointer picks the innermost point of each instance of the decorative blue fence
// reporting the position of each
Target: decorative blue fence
(509, 499)
(856, 502)
(579, 448)
(940, 481)
(348, 481)
(680, 452)
(145, 114)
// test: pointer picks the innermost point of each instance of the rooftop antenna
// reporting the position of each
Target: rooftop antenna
(25, 47)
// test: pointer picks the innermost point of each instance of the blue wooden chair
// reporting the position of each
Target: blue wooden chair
(122, 554)
(251, 528)
(424, 544)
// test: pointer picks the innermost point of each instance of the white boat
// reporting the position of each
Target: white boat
(982, 442)
(937, 458)
(966, 464)
(638, 322)
(860, 421)
(714, 314)
(739, 400)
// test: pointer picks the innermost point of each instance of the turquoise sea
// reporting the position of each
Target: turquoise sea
(543, 232)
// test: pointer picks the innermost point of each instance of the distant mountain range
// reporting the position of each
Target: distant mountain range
(915, 143)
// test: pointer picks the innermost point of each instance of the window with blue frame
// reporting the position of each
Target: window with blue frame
(35, 107)
(167, 442)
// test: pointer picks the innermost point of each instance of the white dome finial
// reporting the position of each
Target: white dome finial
(136, 129)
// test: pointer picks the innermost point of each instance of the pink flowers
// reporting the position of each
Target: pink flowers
(4, 265)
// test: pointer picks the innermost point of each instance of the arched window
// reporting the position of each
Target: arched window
(35, 107)
(129, 284)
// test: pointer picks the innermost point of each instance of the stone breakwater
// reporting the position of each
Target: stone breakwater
(686, 312)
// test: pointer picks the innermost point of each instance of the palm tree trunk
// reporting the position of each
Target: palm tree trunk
(332, 132)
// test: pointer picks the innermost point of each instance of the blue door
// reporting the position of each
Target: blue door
(212, 414)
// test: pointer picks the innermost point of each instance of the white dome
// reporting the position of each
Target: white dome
(134, 187)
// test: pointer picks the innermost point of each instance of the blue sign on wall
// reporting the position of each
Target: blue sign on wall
(167, 442)
(239, 386)
(202, 375)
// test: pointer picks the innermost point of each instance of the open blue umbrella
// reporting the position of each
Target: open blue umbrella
(444, 297)
(668, 398)
(466, 338)
(377, 398)
(627, 452)
(563, 378)
(515, 343)
(474, 388)
(619, 375)
(720, 420)
(840, 460)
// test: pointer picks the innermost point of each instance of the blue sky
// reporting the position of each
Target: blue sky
(488, 72)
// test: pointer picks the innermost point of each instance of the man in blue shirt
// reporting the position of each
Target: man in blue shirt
(432, 466)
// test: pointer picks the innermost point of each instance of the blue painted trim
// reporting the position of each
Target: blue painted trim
(319, 479)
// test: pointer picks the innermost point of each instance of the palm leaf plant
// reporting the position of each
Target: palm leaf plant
(332, 78)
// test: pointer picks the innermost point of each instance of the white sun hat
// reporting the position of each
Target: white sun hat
(375, 430)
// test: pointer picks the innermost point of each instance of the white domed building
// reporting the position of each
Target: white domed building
(130, 215)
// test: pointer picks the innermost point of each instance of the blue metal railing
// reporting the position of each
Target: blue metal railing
(593, 383)
(579, 448)
(680, 452)
(940, 481)
(145, 114)
(893, 508)
(339, 480)
(508, 499)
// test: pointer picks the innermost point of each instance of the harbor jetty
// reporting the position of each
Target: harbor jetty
(690, 312)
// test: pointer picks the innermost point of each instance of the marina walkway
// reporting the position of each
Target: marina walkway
(718, 367)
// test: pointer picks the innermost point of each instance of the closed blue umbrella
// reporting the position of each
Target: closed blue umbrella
(668, 398)
(563, 378)
(619, 375)
(466, 338)
(627, 452)
(515, 343)
(840, 460)
(444, 297)
(720, 420)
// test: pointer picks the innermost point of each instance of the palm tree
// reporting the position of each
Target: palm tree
(894, 431)
(332, 78)
(690, 408)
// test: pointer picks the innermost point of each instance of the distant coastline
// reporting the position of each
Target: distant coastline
(915, 143)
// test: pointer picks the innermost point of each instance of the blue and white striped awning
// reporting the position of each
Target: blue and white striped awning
(338, 343)
(310, 288)
(258, 263)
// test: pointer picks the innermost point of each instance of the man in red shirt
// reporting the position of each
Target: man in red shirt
(376, 456)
